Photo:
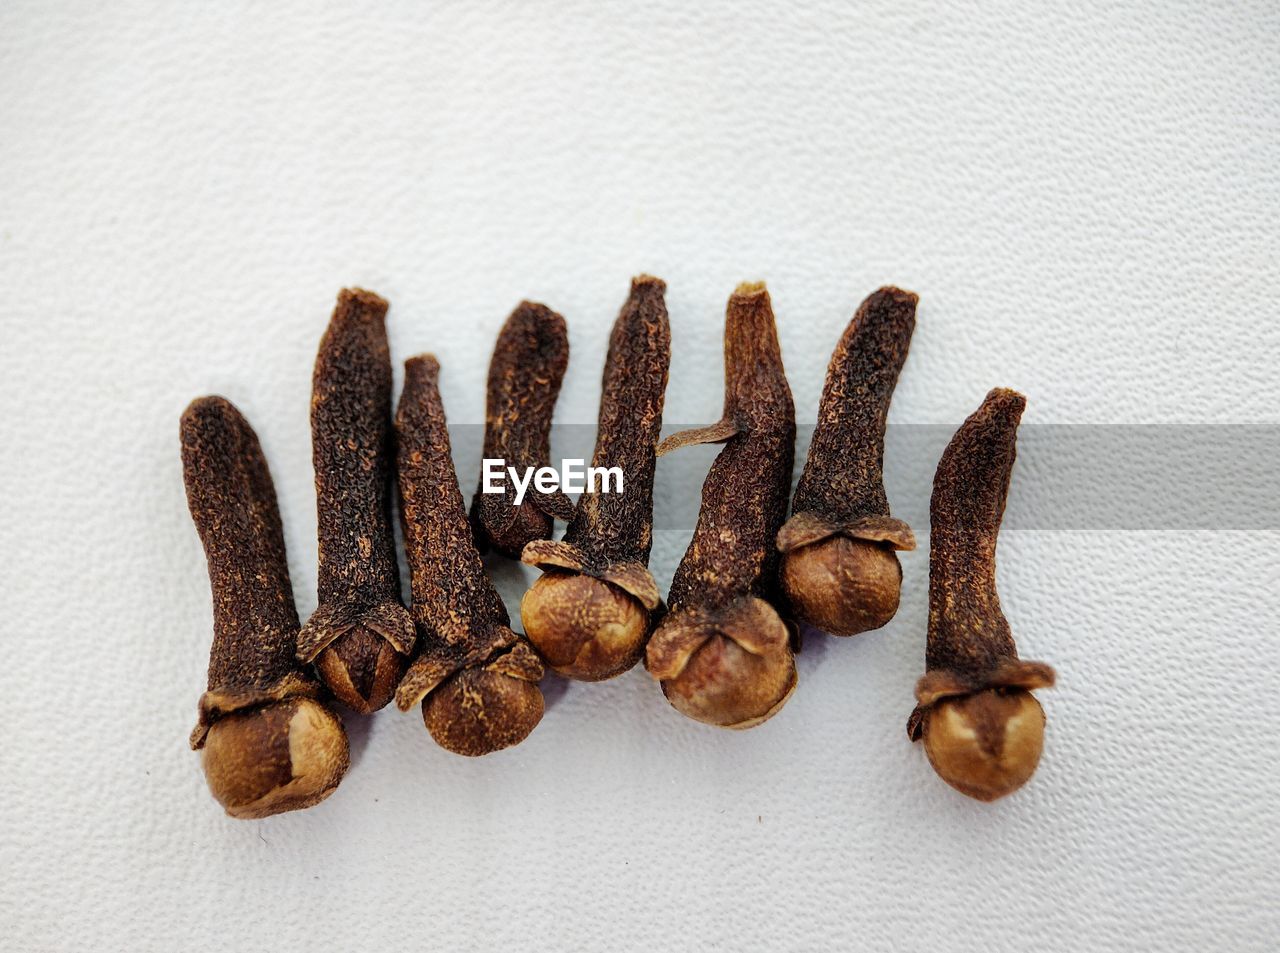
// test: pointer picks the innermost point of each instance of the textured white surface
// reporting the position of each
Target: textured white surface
(1086, 200)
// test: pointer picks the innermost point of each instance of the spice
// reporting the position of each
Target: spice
(723, 654)
(360, 636)
(269, 745)
(839, 571)
(476, 679)
(525, 373)
(982, 728)
(590, 614)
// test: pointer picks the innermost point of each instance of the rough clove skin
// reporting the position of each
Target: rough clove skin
(269, 745)
(839, 570)
(525, 373)
(590, 614)
(723, 654)
(360, 635)
(982, 728)
(476, 679)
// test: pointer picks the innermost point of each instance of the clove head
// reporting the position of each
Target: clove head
(733, 669)
(842, 585)
(479, 711)
(505, 527)
(362, 669)
(726, 685)
(584, 627)
(282, 756)
(986, 744)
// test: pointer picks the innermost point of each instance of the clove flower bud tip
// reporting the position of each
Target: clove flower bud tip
(986, 744)
(584, 627)
(282, 756)
(841, 585)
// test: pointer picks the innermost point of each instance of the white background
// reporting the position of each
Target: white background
(1086, 201)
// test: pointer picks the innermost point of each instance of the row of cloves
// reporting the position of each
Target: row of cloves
(721, 647)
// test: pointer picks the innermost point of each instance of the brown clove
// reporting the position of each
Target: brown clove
(590, 613)
(525, 373)
(723, 654)
(982, 728)
(360, 636)
(839, 570)
(269, 745)
(477, 680)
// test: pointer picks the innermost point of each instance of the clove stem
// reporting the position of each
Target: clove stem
(839, 570)
(723, 654)
(360, 636)
(525, 373)
(269, 745)
(590, 614)
(982, 728)
(477, 680)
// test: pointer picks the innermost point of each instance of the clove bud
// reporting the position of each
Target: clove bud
(269, 745)
(360, 636)
(839, 570)
(525, 373)
(723, 654)
(982, 728)
(590, 613)
(476, 679)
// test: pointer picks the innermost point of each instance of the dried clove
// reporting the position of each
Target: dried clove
(590, 613)
(983, 730)
(839, 570)
(525, 373)
(723, 654)
(476, 679)
(361, 635)
(269, 745)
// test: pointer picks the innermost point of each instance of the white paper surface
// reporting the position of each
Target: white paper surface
(1086, 200)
